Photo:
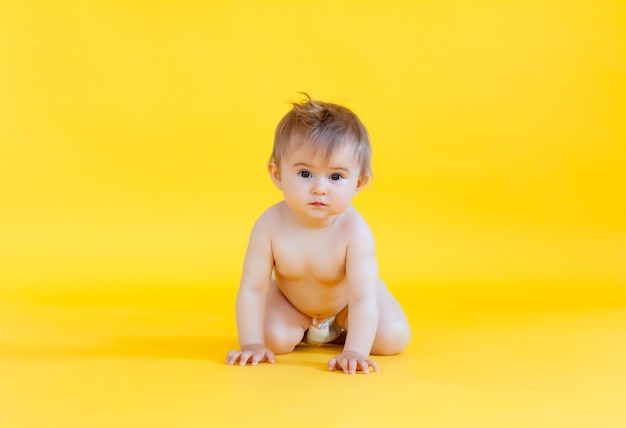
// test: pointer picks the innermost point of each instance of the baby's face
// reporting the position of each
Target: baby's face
(316, 188)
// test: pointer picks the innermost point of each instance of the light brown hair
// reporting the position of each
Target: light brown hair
(326, 127)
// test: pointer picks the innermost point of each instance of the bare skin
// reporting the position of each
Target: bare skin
(313, 255)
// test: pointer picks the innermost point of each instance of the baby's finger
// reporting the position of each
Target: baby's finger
(232, 356)
(373, 364)
(245, 356)
(256, 358)
(352, 365)
(332, 364)
(364, 366)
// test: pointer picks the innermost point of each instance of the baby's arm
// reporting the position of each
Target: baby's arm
(362, 276)
(252, 299)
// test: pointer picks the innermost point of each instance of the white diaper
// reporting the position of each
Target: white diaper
(321, 331)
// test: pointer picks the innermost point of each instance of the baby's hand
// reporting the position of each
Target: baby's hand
(253, 354)
(350, 362)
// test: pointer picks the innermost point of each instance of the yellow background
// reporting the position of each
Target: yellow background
(133, 142)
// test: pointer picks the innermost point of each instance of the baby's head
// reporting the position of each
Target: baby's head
(326, 127)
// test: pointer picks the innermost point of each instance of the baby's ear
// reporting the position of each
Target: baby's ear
(274, 171)
(361, 182)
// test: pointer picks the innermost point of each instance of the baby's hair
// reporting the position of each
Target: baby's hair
(326, 127)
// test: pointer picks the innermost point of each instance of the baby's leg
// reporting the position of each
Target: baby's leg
(284, 324)
(393, 333)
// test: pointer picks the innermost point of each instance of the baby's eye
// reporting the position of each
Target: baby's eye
(304, 174)
(336, 177)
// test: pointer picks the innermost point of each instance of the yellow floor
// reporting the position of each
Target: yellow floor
(83, 363)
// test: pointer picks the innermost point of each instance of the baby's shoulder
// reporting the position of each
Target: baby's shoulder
(271, 217)
(354, 223)
(359, 237)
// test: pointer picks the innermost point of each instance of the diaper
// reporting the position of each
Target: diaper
(322, 330)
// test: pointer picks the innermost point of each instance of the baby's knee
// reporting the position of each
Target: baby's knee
(393, 339)
(282, 340)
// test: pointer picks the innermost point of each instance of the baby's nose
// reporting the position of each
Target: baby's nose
(319, 187)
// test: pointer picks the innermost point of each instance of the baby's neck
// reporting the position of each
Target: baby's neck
(315, 224)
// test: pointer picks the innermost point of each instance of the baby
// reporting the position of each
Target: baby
(310, 272)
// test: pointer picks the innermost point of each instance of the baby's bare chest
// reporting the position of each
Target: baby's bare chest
(322, 259)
